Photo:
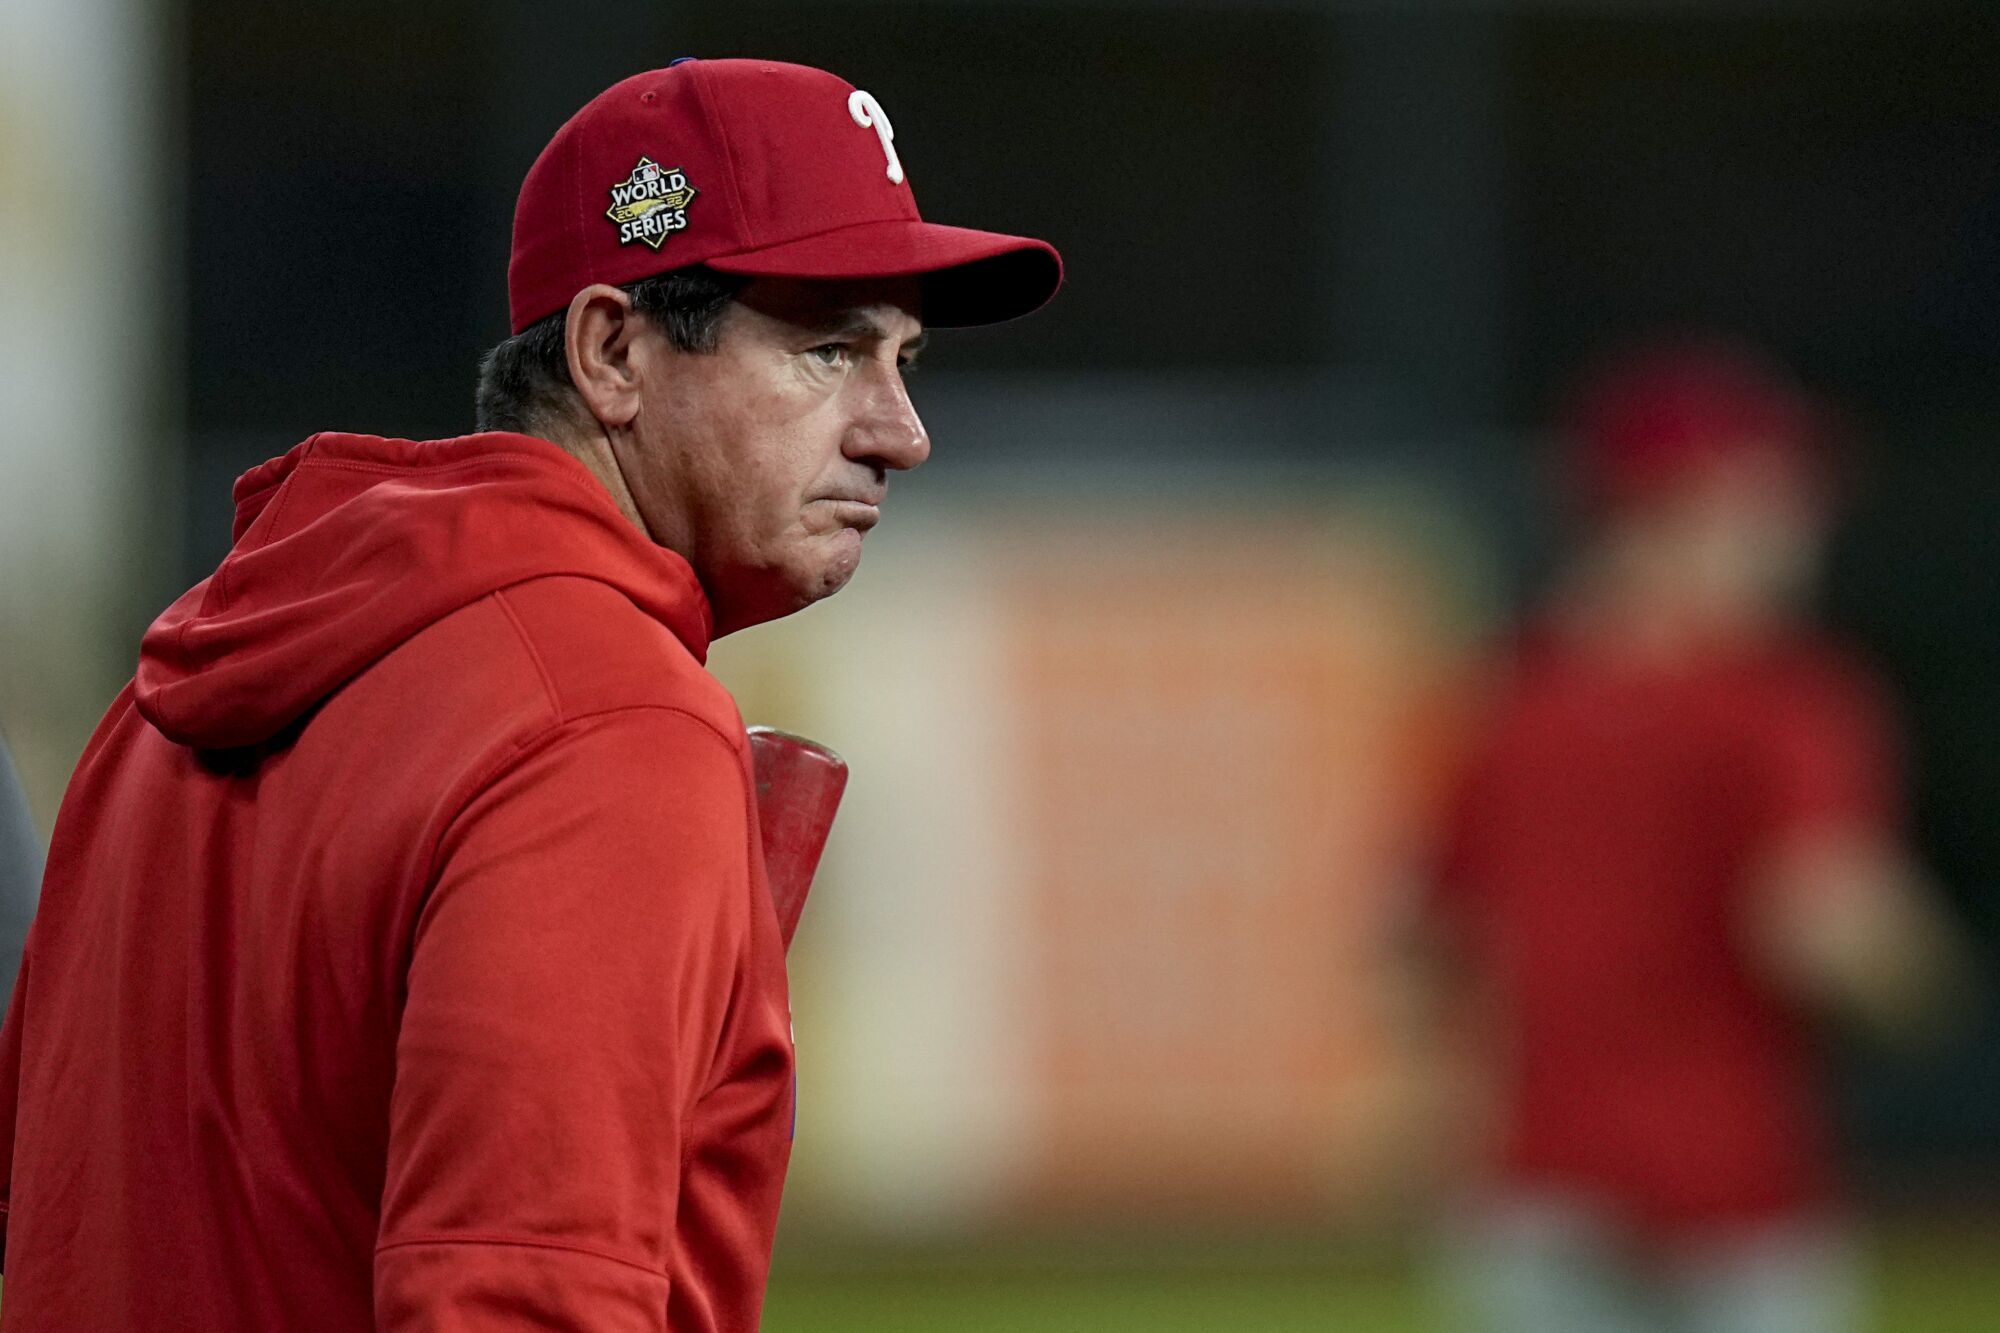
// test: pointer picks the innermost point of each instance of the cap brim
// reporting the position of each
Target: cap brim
(969, 277)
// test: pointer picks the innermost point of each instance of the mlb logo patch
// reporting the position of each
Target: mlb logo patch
(650, 204)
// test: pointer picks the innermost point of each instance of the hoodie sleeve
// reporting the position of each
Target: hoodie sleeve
(568, 985)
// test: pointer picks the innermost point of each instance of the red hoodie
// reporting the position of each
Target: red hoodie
(404, 959)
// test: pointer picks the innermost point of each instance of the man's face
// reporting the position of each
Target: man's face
(766, 461)
(1744, 529)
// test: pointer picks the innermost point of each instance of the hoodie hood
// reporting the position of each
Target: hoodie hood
(350, 544)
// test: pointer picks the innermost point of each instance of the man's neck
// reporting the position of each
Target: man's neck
(1656, 612)
(592, 448)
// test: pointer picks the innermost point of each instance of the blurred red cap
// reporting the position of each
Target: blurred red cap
(1647, 421)
(750, 167)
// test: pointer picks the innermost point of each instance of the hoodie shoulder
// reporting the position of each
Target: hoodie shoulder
(597, 651)
(350, 547)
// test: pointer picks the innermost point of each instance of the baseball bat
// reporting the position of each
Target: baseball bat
(799, 784)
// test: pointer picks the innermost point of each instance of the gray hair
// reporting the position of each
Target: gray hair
(524, 383)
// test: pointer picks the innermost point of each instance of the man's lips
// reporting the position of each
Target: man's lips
(854, 511)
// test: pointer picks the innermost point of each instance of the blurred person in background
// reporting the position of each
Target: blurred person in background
(1675, 847)
(406, 960)
(20, 868)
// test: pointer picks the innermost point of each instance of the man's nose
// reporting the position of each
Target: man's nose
(888, 432)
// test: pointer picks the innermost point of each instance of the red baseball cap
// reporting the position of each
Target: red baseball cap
(1655, 416)
(750, 167)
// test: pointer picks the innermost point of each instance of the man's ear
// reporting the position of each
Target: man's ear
(598, 336)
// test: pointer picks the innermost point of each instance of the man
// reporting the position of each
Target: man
(405, 960)
(20, 868)
(1677, 843)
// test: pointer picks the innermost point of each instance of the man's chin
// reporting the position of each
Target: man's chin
(774, 593)
(833, 574)
(830, 560)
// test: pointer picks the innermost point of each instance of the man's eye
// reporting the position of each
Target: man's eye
(830, 354)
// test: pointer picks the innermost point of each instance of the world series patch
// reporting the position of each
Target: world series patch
(650, 204)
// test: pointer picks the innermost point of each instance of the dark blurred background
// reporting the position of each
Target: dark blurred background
(1330, 250)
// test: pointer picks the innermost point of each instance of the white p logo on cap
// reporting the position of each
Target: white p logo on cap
(869, 115)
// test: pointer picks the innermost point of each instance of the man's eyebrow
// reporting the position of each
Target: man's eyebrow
(843, 323)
